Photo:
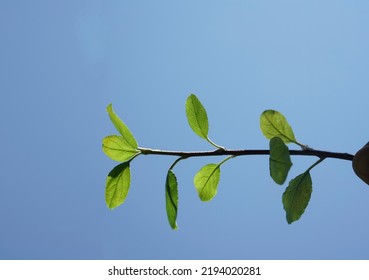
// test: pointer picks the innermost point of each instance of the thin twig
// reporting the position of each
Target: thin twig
(225, 152)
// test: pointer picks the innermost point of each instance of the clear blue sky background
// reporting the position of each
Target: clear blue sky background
(62, 62)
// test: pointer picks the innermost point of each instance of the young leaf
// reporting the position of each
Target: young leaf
(117, 148)
(122, 128)
(274, 124)
(279, 160)
(197, 116)
(171, 198)
(206, 181)
(117, 185)
(296, 197)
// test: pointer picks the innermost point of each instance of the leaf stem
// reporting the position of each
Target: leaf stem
(226, 159)
(304, 147)
(215, 145)
(176, 161)
(316, 163)
(222, 152)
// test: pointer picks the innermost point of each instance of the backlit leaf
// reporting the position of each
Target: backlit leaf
(117, 185)
(206, 181)
(297, 196)
(279, 160)
(274, 124)
(117, 148)
(122, 128)
(171, 198)
(197, 116)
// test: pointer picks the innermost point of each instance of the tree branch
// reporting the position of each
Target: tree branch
(225, 152)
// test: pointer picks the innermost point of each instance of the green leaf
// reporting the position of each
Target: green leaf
(279, 160)
(297, 195)
(171, 198)
(122, 128)
(117, 185)
(274, 124)
(197, 116)
(206, 181)
(117, 148)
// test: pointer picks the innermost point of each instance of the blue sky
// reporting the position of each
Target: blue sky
(63, 62)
